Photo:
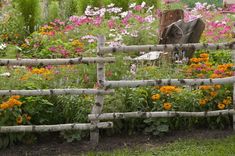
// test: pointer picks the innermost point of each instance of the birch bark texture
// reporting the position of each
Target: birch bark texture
(99, 99)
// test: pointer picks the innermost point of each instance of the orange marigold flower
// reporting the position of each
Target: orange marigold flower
(200, 75)
(202, 102)
(4, 105)
(15, 97)
(217, 86)
(221, 106)
(19, 120)
(156, 97)
(213, 94)
(205, 87)
(227, 101)
(215, 76)
(168, 89)
(167, 106)
(204, 55)
(28, 118)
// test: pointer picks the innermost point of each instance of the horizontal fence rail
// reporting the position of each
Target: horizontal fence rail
(160, 82)
(36, 62)
(167, 47)
(54, 128)
(113, 116)
(56, 92)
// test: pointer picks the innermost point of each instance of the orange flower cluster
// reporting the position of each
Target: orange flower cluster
(46, 30)
(13, 101)
(204, 57)
(210, 87)
(223, 71)
(19, 119)
(169, 89)
(210, 91)
(43, 71)
(227, 101)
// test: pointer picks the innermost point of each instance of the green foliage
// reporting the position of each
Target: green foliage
(29, 10)
(191, 3)
(53, 11)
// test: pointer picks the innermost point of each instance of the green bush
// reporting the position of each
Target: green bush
(30, 11)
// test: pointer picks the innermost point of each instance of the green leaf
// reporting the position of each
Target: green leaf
(163, 128)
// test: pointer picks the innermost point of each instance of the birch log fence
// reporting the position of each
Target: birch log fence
(40, 92)
(106, 88)
(102, 50)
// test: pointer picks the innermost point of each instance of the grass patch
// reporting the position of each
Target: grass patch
(192, 147)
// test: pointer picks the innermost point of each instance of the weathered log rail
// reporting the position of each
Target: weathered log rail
(54, 128)
(43, 62)
(127, 115)
(175, 82)
(167, 47)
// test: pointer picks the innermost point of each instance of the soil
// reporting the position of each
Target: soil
(51, 146)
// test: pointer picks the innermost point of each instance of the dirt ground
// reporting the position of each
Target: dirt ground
(51, 146)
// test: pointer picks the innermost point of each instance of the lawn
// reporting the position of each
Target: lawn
(181, 147)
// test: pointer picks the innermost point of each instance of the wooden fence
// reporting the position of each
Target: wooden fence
(97, 114)
(106, 88)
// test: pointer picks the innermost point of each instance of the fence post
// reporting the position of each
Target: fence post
(99, 99)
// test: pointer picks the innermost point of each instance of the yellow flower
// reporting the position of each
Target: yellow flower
(77, 43)
(205, 87)
(28, 118)
(167, 106)
(213, 94)
(19, 120)
(204, 55)
(227, 101)
(15, 97)
(168, 89)
(156, 97)
(221, 106)
(202, 102)
(4, 105)
(217, 86)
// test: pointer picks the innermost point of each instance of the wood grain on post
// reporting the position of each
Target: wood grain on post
(99, 99)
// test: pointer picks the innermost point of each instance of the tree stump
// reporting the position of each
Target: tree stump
(168, 17)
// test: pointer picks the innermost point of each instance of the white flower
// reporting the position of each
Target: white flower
(132, 5)
(112, 35)
(124, 14)
(5, 74)
(112, 30)
(143, 4)
(150, 9)
(110, 5)
(3, 46)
